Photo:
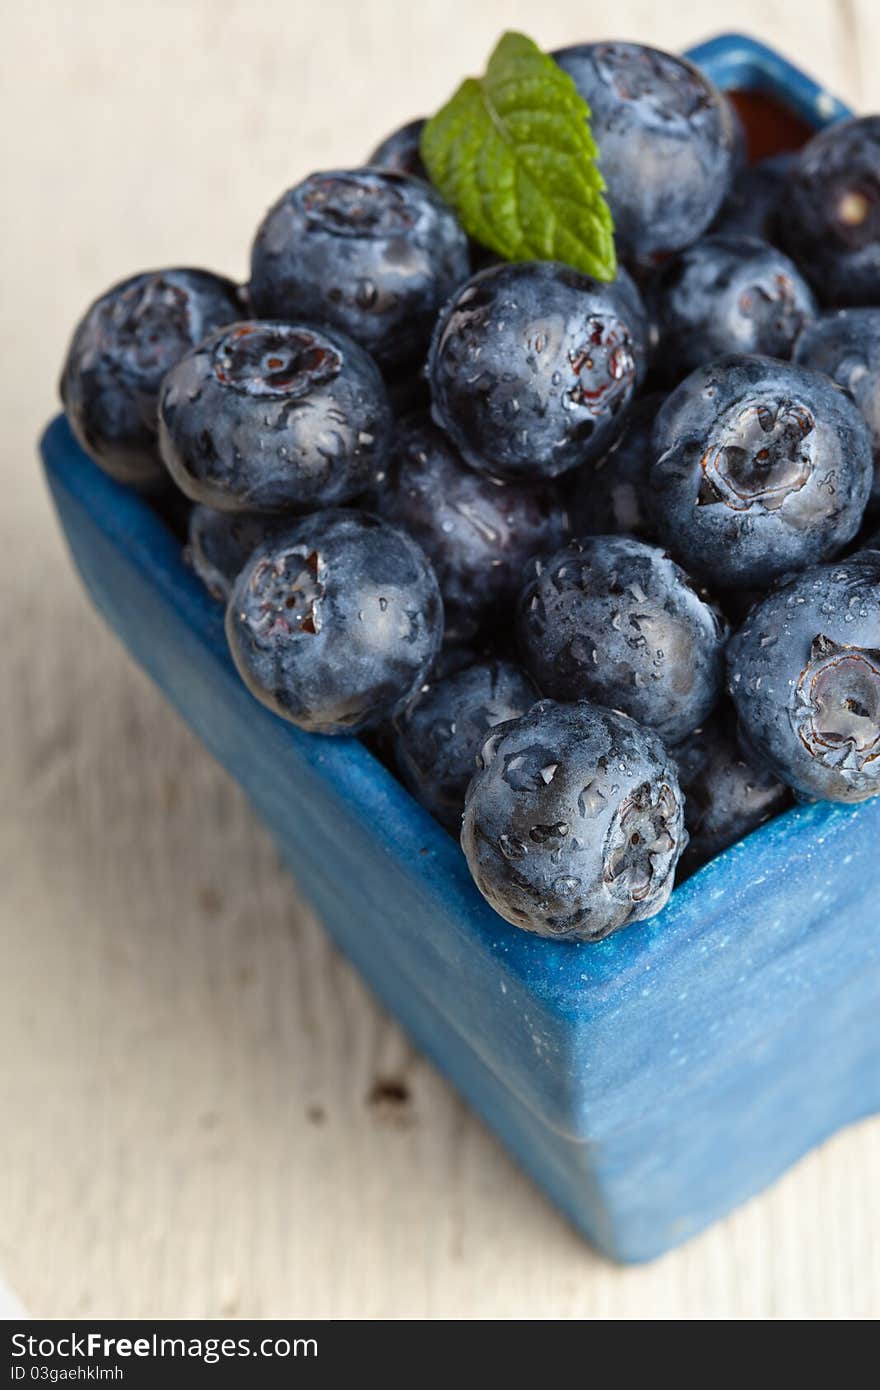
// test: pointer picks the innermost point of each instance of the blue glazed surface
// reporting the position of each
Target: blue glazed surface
(649, 1083)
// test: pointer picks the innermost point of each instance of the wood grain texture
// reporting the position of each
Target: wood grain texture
(206, 1113)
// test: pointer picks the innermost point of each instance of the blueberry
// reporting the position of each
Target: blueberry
(667, 142)
(726, 797)
(400, 150)
(753, 203)
(830, 223)
(614, 620)
(762, 468)
(438, 735)
(573, 825)
(368, 251)
(454, 656)
(728, 294)
(804, 673)
(477, 532)
(220, 543)
(273, 417)
(120, 351)
(613, 494)
(846, 346)
(334, 623)
(532, 368)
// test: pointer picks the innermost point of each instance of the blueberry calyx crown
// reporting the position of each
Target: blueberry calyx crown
(774, 298)
(285, 594)
(837, 705)
(608, 341)
(274, 360)
(641, 843)
(856, 215)
(761, 454)
(352, 207)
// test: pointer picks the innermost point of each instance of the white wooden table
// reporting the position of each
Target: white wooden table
(204, 1110)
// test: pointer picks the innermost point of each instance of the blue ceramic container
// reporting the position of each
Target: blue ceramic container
(649, 1083)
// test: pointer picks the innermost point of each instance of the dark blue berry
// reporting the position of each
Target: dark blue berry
(728, 294)
(219, 544)
(454, 655)
(614, 620)
(830, 218)
(754, 203)
(477, 532)
(762, 468)
(726, 797)
(120, 351)
(400, 150)
(804, 674)
(667, 142)
(334, 623)
(274, 417)
(612, 495)
(437, 737)
(846, 346)
(368, 251)
(573, 824)
(532, 368)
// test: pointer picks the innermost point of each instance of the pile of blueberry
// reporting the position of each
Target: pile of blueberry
(504, 518)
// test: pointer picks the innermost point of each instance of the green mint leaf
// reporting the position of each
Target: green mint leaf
(513, 153)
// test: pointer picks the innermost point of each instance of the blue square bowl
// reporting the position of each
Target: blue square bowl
(649, 1083)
